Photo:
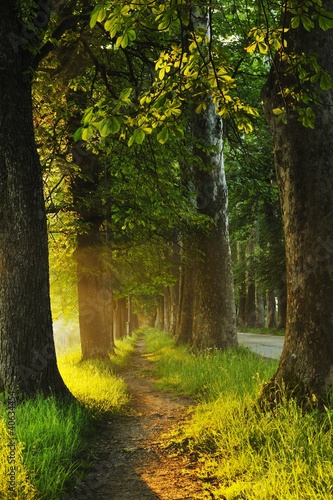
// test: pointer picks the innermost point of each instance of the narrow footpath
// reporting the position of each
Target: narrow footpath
(130, 457)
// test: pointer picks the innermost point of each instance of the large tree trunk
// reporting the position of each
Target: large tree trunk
(304, 163)
(95, 301)
(214, 319)
(94, 298)
(27, 353)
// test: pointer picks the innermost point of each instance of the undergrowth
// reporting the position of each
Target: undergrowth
(262, 331)
(49, 434)
(244, 454)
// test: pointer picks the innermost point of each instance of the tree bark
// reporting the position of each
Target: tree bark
(186, 297)
(260, 308)
(27, 353)
(94, 298)
(282, 308)
(214, 319)
(271, 309)
(304, 164)
(120, 318)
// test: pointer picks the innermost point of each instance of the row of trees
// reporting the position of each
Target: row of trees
(132, 105)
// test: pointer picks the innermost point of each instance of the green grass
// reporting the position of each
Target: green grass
(51, 434)
(262, 331)
(245, 454)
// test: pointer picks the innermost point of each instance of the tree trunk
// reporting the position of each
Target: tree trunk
(94, 298)
(174, 301)
(166, 306)
(27, 353)
(271, 309)
(120, 318)
(241, 258)
(160, 324)
(304, 165)
(214, 318)
(282, 308)
(186, 297)
(260, 308)
(250, 311)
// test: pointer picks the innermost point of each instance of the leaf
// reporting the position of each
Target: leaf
(295, 22)
(163, 136)
(125, 94)
(326, 81)
(78, 134)
(110, 125)
(307, 23)
(87, 133)
(95, 15)
(325, 21)
(138, 137)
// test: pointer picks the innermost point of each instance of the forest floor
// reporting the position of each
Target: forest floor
(131, 459)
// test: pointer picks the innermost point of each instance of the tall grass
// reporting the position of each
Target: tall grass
(50, 434)
(243, 453)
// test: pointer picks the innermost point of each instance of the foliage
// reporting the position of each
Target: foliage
(94, 382)
(50, 433)
(182, 61)
(13, 477)
(307, 80)
(241, 452)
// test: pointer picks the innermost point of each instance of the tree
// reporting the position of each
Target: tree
(298, 105)
(27, 353)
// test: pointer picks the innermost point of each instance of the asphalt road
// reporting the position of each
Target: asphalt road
(269, 346)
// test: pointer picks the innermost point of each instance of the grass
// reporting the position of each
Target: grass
(262, 331)
(244, 454)
(50, 434)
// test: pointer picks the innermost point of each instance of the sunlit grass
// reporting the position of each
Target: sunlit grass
(245, 454)
(95, 383)
(50, 434)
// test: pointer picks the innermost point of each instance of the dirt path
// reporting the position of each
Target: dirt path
(130, 462)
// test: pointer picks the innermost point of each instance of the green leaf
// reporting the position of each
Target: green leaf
(98, 14)
(87, 132)
(326, 81)
(138, 137)
(163, 136)
(307, 23)
(295, 22)
(108, 126)
(78, 134)
(125, 94)
(325, 20)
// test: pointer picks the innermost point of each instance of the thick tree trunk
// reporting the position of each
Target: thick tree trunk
(27, 353)
(94, 298)
(304, 163)
(214, 319)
